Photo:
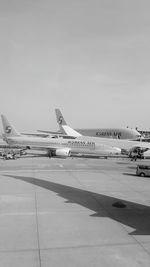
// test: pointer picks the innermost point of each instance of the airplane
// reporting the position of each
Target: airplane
(127, 146)
(58, 147)
(116, 133)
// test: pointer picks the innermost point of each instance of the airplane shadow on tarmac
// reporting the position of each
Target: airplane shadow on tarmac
(134, 215)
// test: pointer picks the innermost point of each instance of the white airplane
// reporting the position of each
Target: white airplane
(116, 133)
(59, 147)
(125, 145)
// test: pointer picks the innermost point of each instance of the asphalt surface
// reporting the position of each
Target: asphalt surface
(73, 213)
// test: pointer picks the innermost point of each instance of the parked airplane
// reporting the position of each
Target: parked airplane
(117, 133)
(127, 146)
(57, 147)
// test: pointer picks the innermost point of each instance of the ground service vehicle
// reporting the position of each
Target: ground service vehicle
(143, 170)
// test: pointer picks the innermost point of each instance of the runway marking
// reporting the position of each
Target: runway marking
(31, 213)
(41, 170)
(133, 243)
(22, 214)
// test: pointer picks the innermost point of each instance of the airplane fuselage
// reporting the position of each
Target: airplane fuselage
(78, 145)
(115, 133)
(122, 144)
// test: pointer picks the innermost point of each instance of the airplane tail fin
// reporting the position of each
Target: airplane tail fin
(59, 117)
(63, 125)
(9, 129)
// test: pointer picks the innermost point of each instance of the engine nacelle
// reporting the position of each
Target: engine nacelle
(62, 152)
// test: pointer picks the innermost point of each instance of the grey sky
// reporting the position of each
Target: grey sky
(91, 58)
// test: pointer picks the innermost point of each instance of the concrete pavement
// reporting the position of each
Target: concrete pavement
(56, 212)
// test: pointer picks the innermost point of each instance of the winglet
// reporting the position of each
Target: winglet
(63, 125)
(9, 129)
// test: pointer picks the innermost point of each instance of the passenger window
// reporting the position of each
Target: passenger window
(144, 167)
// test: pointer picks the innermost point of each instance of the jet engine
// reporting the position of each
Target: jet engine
(60, 152)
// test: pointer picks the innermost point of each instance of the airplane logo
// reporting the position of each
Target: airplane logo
(8, 129)
(60, 120)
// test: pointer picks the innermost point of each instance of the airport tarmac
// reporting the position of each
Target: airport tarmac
(60, 212)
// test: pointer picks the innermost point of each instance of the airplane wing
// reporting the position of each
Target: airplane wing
(36, 134)
(49, 132)
(57, 134)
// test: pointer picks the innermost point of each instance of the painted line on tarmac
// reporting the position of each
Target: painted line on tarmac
(41, 170)
(31, 213)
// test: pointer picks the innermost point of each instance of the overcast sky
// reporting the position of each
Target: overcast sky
(90, 58)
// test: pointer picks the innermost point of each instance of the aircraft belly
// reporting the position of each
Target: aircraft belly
(83, 150)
